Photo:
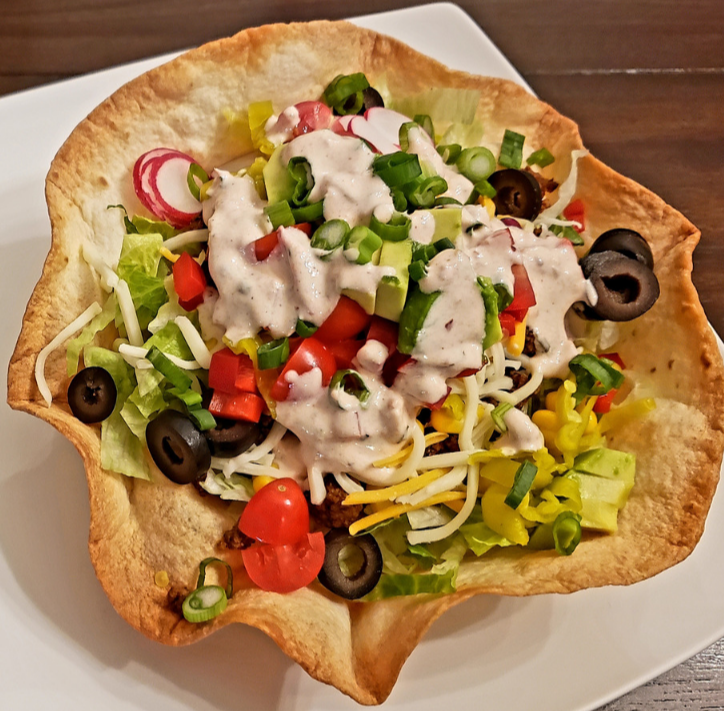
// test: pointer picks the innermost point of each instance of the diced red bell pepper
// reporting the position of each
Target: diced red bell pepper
(604, 402)
(523, 296)
(265, 245)
(309, 355)
(189, 281)
(346, 321)
(576, 212)
(305, 227)
(239, 406)
(468, 371)
(615, 357)
(385, 332)
(507, 323)
(231, 373)
(344, 352)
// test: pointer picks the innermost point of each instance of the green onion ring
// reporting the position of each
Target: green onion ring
(330, 235)
(567, 532)
(476, 163)
(498, 416)
(361, 244)
(273, 354)
(521, 484)
(396, 230)
(196, 171)
(511, 150)
(169, 370)
(305, 329)
(397, 169)
(279, 214)
(542, 157)
(352, 383)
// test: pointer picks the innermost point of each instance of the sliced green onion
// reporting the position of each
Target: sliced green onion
(403, 134)
(476, 163)
(424, 252)
(344, 93)
(205, 563)
(305, 329)
(190, 398)
(541, 157)
(567, 532)
(505, 298)
(485, 189)
(395, 230)
(399, 201)
(398, 168)
(445, 200)
(131, 229)
(203, 418)
(511, 150)
(567, 232)
(521, 484)
(421, 192)
(352, 383)
(204, 603)
(273, 354)
(309, 213)
(498, 416)
(361, 244)
(594, 376)
(493, 330)
(301, 174)
(330, 235)
(442, 244)
(413, 317)
(425, 123)
(417, 270)
(196, 171)
(279, 214)
(169, 370)
(450, 152)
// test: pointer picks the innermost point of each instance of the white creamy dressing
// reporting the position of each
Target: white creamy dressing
(458, 186)
(336, 433)
(451, 338)
(522, 435)
(342, 170)
(279, 129)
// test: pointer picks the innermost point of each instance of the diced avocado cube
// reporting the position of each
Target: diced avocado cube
(279, 184)
(608, 463)
(448, 223)
(599, 516)
(392, 290)
(365, 299)
(609, 491)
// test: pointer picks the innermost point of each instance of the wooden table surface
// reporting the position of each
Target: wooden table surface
(643, 78)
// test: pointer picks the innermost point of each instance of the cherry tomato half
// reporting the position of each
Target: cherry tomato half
(313, 115)
(310, 354)
(286, 568)
(523, 296)
(277, 514)
(346, 321)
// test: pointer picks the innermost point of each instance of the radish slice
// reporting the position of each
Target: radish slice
(160, 182)
(379, 141)
(341, 126)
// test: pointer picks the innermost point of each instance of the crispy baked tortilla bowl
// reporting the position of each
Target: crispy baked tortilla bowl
(139, 528)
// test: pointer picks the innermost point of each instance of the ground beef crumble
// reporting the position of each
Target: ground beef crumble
(235, 540)
(331, 513)
(450, 444)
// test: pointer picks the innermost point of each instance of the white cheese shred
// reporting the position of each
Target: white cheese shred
(565, 192)
(196, 344)
(255, 453)
(521, 393)
(128, 311)
(135, 355)
(109, 279)
(347, 483)
(449, 459)
(412, 463)
(86, 317)
(190, 237)
(446, 482)
(431, 535)
(470, 414)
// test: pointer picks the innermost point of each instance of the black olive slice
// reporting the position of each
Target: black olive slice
(178, 448)
(364, 579)
(626, 288)
(517, 193)
(371, 98)
(92, 395)
(627, 242)
(231, 437)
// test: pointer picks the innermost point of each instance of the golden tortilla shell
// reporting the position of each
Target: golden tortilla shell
(139, 528)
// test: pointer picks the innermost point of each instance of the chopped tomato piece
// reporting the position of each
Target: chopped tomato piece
(265, 245)
(237, 406)
(231, 373)
(576, 212)
(385, 332)
(344, 352)
(523, 296)
(392, 367)
(305, 227)
(189, 281)
(615, 357)
(313, 115)
(346, 321)
(437, 405)
(277, 514)
(310, 354)
(467, 371)
(285, 568)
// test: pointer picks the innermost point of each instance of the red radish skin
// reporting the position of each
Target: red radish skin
(140, 185)
(380, 127)
(168, 181)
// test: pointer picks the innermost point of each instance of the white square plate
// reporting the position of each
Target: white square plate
(63, 647)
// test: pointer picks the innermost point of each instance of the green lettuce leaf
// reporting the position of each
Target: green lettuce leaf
(121, 450)
(72, 354)
(393, 585)
(170, 340)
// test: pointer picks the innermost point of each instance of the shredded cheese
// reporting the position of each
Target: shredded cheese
(86, 317)
(453, 478)
(470, 415)
(431, 535)
(109, 279)
(195, 342)
(347, 483)
(190, 237)
(128, 311)
(275, 435)
(390, 493)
